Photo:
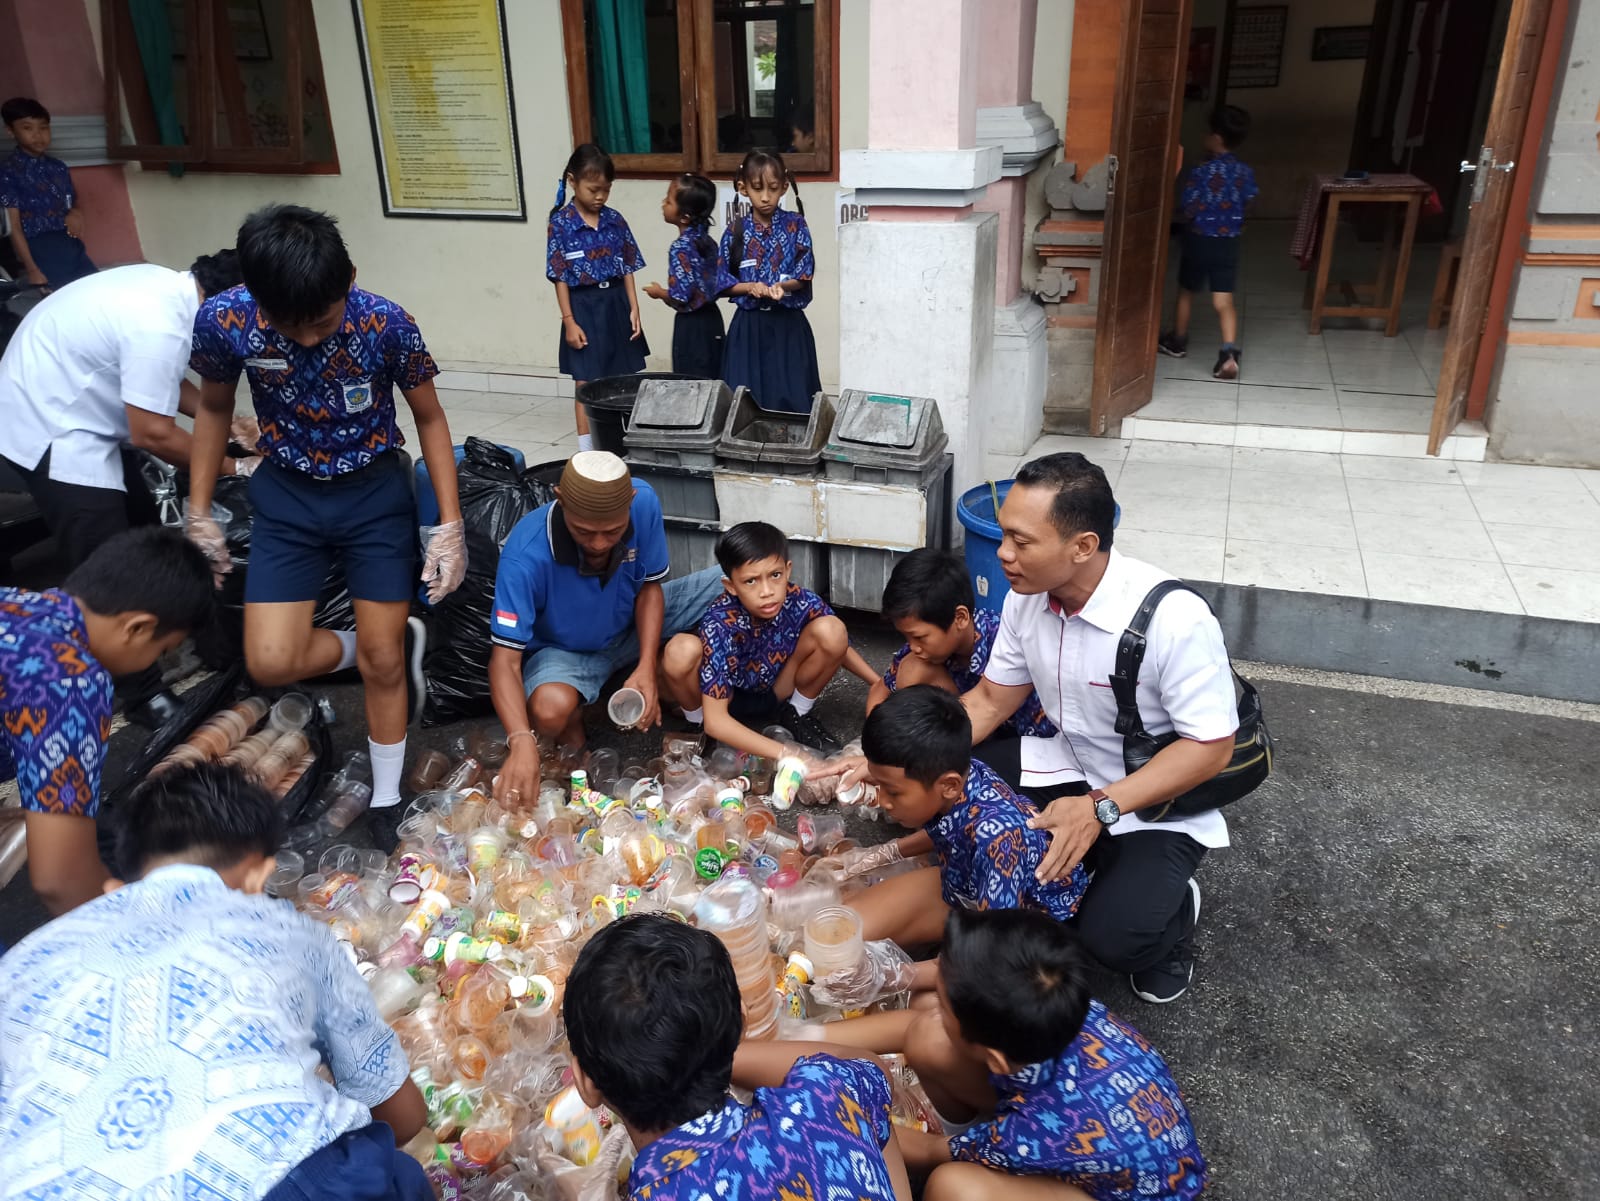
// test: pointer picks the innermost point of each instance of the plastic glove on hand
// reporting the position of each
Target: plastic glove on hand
(245, 430)
(247, 466)
(445, 564)
(861, 861)
(205, 533)
(883, 969)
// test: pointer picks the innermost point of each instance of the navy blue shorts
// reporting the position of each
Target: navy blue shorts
(697, 339)
(366, 521)
(771, 351)
(1208, 263)
(601, 311)
(362, 1165)
(61, 257)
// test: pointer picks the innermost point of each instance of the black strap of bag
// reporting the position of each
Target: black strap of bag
(1252, 755)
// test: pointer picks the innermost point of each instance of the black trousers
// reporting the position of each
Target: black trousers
(81, 518)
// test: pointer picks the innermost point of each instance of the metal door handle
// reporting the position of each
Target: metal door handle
(1468, 165)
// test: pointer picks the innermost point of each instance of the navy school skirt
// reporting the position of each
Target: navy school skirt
(697, 340)
(601, 311)
(770, 350)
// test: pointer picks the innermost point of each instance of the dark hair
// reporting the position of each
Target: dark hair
(1232, 124)
(653, 1018)
(587, 159)
(294, 261)
(1083, 494)
(204, 813)
(217, 272)
(802, 120)
(1016, 980)
(21, 108)
(923, 730)
(755, 163)
(928, 585)
(148, 570)
(749, 542)
(697, 201)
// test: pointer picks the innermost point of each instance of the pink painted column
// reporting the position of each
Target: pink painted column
(922, 90)
(1005, 78)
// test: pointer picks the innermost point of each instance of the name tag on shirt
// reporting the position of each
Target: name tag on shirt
(268, 364)
(575, 254)
(747, 263)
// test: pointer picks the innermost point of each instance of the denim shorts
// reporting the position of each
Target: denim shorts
(687, 600)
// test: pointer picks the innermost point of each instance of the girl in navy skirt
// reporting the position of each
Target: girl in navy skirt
(692, 278)
(766, 267)
(591, 260)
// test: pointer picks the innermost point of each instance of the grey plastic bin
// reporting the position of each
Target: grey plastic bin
(777, 443)
(691, 546)
(879, 438)
(857, 575)
(676, 422)
(685, 493)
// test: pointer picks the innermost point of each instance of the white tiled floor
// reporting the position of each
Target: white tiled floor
(541, 426)
(1495, 536)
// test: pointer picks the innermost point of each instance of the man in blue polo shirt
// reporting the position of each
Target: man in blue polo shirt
(582, 591)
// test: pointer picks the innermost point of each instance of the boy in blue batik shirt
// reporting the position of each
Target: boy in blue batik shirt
(765, 650)
(1214, 200)
(169, 1039)
(654, 1020)
(37, 193)
(917, 750)
(1066, 1100)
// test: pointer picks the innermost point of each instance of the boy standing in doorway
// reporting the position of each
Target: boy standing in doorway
(1214, 200)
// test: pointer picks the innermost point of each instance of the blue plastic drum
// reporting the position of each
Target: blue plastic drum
(976, 511)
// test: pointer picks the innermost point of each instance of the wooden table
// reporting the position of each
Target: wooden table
(1385, 295)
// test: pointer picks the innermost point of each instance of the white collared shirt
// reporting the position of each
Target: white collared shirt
(116, 338)
(1185, 682)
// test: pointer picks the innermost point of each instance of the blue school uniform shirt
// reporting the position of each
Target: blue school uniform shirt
(1105, 1116)
(39, 188)
(55, 703)
(1029, 720)
(780, 252)
(579, 256)
(691, 276)
(544, 594)
(1216, 195)
(166, 1040)
(819, 1135)
(738, 652)
(988, 854)
(324, 410)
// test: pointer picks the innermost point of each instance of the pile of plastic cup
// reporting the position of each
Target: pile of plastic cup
(734, 909)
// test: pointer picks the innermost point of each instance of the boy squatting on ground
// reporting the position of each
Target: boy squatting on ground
(948, 639)
(165, 1039)
(653, 1018)
(135, 597)
(1063, 1101)
(918, 748)
(765, 650)
(1215, 197)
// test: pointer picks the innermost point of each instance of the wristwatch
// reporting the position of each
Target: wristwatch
(1105, 809)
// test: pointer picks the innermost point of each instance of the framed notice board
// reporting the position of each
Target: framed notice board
(1257, 55)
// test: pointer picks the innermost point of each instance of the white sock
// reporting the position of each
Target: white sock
(388, 761)
(585, 442)
(347, 655)
(801, 702)
(697, 716)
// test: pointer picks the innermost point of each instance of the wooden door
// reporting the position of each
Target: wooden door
(1144, 146)
(1491, 183)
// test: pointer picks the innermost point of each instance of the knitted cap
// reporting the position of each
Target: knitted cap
(595, 486)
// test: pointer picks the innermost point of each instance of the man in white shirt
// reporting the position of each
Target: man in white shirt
(91, 372)
(1071, 597)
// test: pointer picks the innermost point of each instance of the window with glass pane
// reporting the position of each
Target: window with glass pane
(148, 96)
(765, 52)
(254, 105)
(635, 95)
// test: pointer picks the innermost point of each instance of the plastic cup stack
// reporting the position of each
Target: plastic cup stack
(833, 940)
(736, 912)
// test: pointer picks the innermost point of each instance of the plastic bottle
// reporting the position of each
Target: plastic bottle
(407, 948)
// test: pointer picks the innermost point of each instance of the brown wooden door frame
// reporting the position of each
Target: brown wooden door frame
(1484, 270)
(1145, 126)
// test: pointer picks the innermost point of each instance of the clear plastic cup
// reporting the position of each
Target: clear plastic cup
(833, 939)
(291, 713)
(821, 832)
(625, 708)
(290, 866)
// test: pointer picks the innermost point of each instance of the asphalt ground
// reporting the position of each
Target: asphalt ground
(1393, 958)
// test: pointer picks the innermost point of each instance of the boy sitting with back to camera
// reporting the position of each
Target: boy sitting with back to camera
(948, 639)
(654, 1021)
(167, 1038)
(765, 650)
(917, 748)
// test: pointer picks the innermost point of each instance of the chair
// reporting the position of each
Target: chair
(1444, 284)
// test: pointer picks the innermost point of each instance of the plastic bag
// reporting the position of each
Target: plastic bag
(494, 493)
(882, 970)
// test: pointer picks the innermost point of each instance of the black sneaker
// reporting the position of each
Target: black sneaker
(1170, 344)
(383, 826)
(416, 683)
(1227, 364)
(807, 729)
(1164, 982)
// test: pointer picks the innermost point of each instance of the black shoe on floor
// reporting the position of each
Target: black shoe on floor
(1164, 982)
(383, 826)
(807, 729)
(1227, 364)
(154, 712)
(416, 683)
(1170, 344)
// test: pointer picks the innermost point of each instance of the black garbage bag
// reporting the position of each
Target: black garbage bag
(494, 497)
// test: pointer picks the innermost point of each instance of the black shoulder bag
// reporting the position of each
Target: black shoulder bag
(1252, 744)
